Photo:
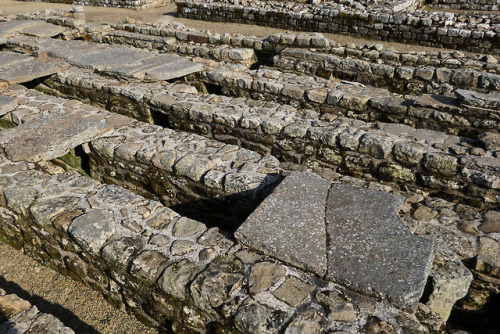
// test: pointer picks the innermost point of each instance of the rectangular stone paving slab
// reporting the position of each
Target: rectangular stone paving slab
(28, 70)
(10, 58)
(11, 27)
(50, 137)
(370, 250)
(7, 104)
(109, 58)
(173, 70)
(43, 29)
(346, 234)
(290, 223)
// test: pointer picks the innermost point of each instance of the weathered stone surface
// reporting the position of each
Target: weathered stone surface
(175, 278)
(93, 229)
(185, 227)
(370, 249)
(337, 308)
(293, 291)
(263, 276)
(47, 208)
(8, 58)
(488, 257)
(11, 305)
(43, 29)
(290, 224)
(13, 26)
(50, 137)
(174, 70)
(451, 281)
(7, 104)
(477, 99)
(308, 321)
(491, 222)
(148, 265)
(28, 70)
(255, 318)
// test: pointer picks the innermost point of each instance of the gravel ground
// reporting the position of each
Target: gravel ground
(76, 305)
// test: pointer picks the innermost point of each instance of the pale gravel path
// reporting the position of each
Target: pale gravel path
(76, 305)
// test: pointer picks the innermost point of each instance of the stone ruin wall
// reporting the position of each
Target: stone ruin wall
(132, 4)
(417, 27)
(153, 252)
(465, 4)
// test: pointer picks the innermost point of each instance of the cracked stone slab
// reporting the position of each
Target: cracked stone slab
(7, 104)
(50, 137)
(290, 223)
(29, 70)
(370, 250)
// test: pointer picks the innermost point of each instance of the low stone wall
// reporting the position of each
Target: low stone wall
(425, 159)
(402, 78)
(434, 112)
(465, 4)
(478, 33)
(219, 183)
(133, 4)
(170, 271)
(410, 72)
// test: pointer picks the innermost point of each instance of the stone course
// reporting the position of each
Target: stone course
(140, 253)
(307, 138)
(427, 185)
(472, 32)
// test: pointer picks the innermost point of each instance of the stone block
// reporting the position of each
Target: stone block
(289, 224)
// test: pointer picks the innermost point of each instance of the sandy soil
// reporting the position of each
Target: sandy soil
(168, 13)
(76, 305)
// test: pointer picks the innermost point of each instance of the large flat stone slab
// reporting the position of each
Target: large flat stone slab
(43, 29)
(8, 58)
(174, 70)
(7, 104)
(50, 137)
(290, 223)
(370, 250)
(29, 70)
(13, 26)
(109, 58)
(477, 99)
(139, 70)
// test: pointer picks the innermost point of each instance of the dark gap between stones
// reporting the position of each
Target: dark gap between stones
(482, 321)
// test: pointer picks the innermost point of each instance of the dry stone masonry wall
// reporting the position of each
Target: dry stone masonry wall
(422, 205)
(471, 32)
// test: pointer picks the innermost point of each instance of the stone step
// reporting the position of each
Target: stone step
(432, 161)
